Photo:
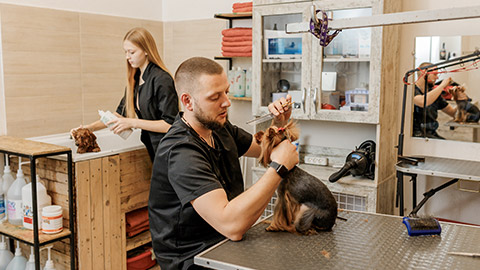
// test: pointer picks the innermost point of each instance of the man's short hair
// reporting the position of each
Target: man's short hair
(424, 64)
(188, 73)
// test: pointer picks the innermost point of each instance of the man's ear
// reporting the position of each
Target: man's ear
(187, 101)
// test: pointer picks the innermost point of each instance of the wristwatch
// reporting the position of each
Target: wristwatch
(279, 168)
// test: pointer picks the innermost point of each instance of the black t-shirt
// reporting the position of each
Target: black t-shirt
(184, 169)
(432, 114)
(157, 100)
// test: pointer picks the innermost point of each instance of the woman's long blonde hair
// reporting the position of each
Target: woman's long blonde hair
(141, 38)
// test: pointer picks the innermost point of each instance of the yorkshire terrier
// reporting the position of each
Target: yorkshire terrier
(85, 140)
(304, 205)
(466, 111)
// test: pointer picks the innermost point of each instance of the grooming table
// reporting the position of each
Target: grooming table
(433, 166)
(364, 241)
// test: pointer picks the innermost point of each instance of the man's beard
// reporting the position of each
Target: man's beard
(206, 122)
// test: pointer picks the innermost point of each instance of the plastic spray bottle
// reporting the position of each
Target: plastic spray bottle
(27, 205)
(49, 264)
(14, 196)
(19, 261)
(107, 116)
(5, 255)
(31, 261)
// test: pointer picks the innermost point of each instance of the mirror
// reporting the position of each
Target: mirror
(435, 49)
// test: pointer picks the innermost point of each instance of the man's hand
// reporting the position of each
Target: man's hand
(285, 153)
(281, 109)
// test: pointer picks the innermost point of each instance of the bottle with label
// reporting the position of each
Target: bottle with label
(239, 84)
(27, 205)
(443, 52)
(107, 116)
(2, 200)
(248, 83)
(14, 198)
(7, 180)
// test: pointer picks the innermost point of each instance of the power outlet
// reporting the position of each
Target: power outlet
(316, 160)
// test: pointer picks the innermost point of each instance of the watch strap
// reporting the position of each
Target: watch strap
(279, 168)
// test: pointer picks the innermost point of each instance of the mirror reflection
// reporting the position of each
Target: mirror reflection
(453, 93)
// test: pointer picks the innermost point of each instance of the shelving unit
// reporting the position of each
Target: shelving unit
(32, 151)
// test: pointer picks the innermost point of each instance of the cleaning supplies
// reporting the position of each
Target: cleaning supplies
(5, 254)
(31, 261)
(52, 219)
(14, 197)
(7, 182)
(27, 206)
(19, 261)
(107, 116)
(49, 264)
(2, 201)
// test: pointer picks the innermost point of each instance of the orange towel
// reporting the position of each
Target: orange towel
(232, 54)
(137, 231)
(242, 5)
(237, 10)
(137, 217)
(241, 49)
(237, 31)
(235, 39)
(237, 43)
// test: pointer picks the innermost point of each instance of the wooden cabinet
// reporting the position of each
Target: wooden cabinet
(363, 62)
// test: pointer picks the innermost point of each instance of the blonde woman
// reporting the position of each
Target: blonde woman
(150, 101)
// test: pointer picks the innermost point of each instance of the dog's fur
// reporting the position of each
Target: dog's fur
(466, 111)
(304, 204)
(85, 140)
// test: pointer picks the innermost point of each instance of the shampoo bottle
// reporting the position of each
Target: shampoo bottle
(107, 116)
(31, 261)
(19, 261)
(14, 198)
(27, 207)
(2, 201)
(7, 182)
(248, 82)
(49, 264)
(5, 255)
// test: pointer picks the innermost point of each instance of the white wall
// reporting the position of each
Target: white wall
(138, 9)
(184, 10)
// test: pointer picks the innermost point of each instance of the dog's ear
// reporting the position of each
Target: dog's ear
(258, 137)
(292, 130)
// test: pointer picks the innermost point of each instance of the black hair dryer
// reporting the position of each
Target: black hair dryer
(360, 162)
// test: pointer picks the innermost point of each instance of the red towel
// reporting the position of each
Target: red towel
(235, 39)
(241, 49)
(242, 5)
(232, 54)
(138, 231)
(137, 218)
(237, 31)
(246, 9)
(237, 43)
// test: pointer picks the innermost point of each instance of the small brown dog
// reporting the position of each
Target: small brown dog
(304, 205)
(85, 140)
(466, 111)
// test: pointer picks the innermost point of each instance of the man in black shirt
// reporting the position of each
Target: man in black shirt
(435, 102)
(197, 195)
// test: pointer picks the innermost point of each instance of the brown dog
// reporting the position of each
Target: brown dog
(85, 140)
(466, 111)
(304, 205)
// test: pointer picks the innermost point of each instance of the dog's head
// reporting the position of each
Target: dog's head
(84, 139)
(272, 136)
(455, 91)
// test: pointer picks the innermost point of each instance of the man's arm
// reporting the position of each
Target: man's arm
(432, 95)
(450, 110)
(233, 218)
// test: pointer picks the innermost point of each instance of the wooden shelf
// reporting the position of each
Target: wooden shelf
(139, 240)
(229, 57)
(236, 15)
(294, 60)
(26, 235)
(24, 147)
(240, 98)
(342, 59)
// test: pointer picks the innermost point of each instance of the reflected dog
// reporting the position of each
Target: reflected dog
(466, 111)
(304, 205)
(85, 140)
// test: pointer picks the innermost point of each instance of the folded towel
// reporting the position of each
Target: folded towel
(232, 54)
(246, 9)
(237, 31)
(237, 43)
(242, 5)
(138, 231)
(137, 217)
(236, 39)
(241, 49)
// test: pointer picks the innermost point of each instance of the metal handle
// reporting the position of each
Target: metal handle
(315, 98)
(303, 98)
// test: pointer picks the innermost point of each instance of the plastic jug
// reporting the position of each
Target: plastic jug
(49, 264)
(7, 180)
(5, 255)
(14, 198)
(2, 201)
(27, 207)
(31, 261)
(19, 261)
(107, 116)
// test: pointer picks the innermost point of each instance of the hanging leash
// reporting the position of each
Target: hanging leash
(319, 27)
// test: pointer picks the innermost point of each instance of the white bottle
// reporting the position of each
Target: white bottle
(7, 182)
(239, 86)
(27, 206)
(2, 201)
(5, 255)
(31, 261)
(49, 264)
(14, 198)
(19, 261)
(107, 116)
(248, 83)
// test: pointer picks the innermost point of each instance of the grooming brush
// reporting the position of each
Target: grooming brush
(422, 225)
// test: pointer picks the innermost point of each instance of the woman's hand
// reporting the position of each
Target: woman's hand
(120, 124)
(281, 109)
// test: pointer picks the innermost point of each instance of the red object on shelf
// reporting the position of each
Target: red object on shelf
(142, 261)
(326, 106)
